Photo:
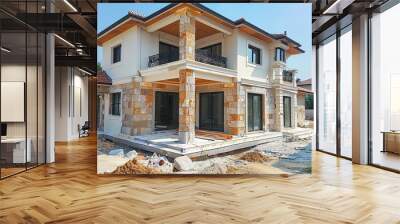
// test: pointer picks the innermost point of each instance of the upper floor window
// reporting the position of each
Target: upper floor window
(280, 54)
(214, 50)
(254, 55)
(168, 53)
(116, 54)
(115, 104)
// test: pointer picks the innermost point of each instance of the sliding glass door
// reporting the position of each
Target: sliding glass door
(212, 111)
(166, 110)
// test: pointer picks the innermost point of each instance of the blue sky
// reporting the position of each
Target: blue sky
(273, 18)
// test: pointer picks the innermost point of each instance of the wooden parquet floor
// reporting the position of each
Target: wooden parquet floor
(69, 191)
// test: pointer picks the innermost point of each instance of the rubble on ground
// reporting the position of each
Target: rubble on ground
(255, 156)
(134, 167)
(183, 163)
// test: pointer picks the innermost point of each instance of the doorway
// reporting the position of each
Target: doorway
(166, 110)
(254, 112)
(287, 112)
(212, 111)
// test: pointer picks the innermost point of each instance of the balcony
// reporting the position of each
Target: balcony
(287, 76)
(200, 56)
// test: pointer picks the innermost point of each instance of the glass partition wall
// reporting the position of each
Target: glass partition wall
(334, 94)
(22, 76)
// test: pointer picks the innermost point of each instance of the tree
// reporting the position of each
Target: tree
(99, 68)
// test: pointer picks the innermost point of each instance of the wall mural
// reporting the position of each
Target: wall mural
(201, 91)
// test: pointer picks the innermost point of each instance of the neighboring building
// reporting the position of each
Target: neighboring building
(186, 66)
(306, 84)
(305, 101)
(103, 85)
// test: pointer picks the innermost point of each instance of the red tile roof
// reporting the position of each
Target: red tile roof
(103, 78)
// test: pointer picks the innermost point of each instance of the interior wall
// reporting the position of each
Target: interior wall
(71, 102)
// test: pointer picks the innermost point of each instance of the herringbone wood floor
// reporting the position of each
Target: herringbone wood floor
(69, 191)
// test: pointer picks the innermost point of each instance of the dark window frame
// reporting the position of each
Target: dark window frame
(280, 54)
(115, 59)
(115, 107)
(253, 55)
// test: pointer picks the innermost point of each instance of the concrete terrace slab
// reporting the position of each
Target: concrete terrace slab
(167, 143)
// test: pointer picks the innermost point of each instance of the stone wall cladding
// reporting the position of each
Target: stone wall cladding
(187, 107)
(137, 107)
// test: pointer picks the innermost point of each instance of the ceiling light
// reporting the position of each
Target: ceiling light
(86, 72)
(5, 50)
(65, 41)
(70, 5)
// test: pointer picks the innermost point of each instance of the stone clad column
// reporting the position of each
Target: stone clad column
(186, 106)
(236, 107)
(278, 109)
(187, 32)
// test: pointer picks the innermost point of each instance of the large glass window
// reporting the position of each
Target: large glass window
(346, 92)
(254, 55)
(385, 89)
(327, 95)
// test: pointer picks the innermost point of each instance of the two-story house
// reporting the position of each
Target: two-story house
(187, 67)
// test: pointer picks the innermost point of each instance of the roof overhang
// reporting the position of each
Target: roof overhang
(170, 14)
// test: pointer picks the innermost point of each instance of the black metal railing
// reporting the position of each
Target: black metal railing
(160, 59)
(287, 76)
(202, 56)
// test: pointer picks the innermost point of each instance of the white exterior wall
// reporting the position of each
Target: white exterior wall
(121, 72)
(248, 70)
(112, 123)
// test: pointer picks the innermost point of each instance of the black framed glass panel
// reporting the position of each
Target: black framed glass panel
(254, 112)
(287, 111)
(166, 110)
(385, 89)
(212, 111)
(22, 77)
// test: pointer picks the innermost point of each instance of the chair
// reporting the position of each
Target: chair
(84, 130)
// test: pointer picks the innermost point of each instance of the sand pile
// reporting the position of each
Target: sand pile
(254, 156)
(134, 167)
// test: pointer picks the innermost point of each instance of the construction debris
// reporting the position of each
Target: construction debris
(255, 156)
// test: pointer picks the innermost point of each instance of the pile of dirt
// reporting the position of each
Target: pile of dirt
(255, 156)
(134, 167)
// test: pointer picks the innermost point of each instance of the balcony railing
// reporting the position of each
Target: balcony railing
(158, 59)
(202, 56)
(287, 76)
